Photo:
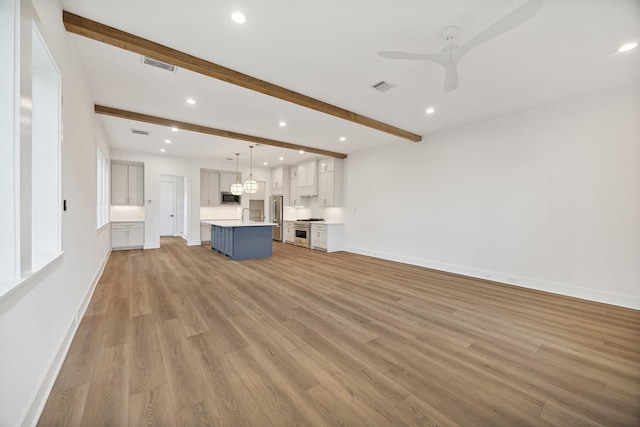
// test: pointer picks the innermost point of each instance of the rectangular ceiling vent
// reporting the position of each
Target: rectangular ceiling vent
(158, 64)
(382, 86)
(139, 132)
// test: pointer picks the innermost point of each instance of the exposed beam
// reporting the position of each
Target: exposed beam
(103, 33)
(124, 114)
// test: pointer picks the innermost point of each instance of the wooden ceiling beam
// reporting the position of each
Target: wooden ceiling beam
(103, 33)
(130, 115)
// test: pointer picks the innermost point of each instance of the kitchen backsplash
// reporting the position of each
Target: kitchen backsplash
(221, 212)
(127, 213)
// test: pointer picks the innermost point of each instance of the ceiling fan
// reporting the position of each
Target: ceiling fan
(452, 54)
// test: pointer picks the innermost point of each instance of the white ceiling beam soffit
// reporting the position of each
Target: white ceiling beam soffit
(94, 30)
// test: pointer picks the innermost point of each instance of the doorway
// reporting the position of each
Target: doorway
(168, 208)
(172, 209)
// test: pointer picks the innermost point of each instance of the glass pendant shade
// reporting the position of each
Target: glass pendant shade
(237, 188)
(251, 185)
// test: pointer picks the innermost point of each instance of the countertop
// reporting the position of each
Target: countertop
(317, 222)
(127, 220)
(237, 223)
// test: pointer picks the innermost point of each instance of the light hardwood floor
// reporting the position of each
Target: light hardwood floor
(183, 336)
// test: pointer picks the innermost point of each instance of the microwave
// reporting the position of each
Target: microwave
(227, 198)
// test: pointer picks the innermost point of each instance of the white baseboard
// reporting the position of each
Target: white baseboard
(33, 414)
(509, 279)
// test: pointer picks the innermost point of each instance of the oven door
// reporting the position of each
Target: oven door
(301, 237)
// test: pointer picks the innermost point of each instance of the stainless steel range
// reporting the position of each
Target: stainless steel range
(302, 231)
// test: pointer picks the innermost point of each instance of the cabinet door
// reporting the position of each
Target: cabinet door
(302, 175)
(326, 189)
(326, 165)
(136, 237)
(311, 172)
(209, 189)
(136, 185)
(119, 238)
(227, 180)
(119, 184)
(293, 192)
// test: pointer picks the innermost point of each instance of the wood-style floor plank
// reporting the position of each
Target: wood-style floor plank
(183, 336)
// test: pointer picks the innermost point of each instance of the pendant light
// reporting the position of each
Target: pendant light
(250, 185)
(237, 188)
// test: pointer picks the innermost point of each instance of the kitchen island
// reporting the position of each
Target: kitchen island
(241, 240)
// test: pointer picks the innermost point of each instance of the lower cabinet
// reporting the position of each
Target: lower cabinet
(205, 233)
(318, 236)
(326, 237)
(289, 232)
(127, 235)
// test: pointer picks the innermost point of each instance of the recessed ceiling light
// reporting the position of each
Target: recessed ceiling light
(342, 138)
(281, 158)
(431, 110)
(238, 17)
(163, 150)
(265, 163)
(191, 101)
(627, 47)
(175, 129)
(283, 124)
(301, 151)
(167, 141)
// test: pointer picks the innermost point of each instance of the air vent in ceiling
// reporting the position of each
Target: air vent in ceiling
(139, 132)
(382, 86)
(158, 64)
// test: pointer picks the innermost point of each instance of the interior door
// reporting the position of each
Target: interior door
(167, 208)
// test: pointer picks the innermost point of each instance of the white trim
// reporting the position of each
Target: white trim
(510, 279)
(40, 399)
(8, 287)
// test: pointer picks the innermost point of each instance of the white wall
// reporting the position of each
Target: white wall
(154, 166)
(38, 319)
(547, 198)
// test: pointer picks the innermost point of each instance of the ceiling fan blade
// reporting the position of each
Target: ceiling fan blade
(450, 76)
(507, 23)
(436, 57)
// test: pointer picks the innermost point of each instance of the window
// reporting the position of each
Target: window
(102, 202)
(30, 180)
(45, 157)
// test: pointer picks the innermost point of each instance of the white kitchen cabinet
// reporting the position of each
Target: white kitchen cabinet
(289, 232)
(127, 184)
(330, 182)
(209, 188)
(326, 236)
(294, 199)
(308, 178)
(279, 179)
(227, 179)
(205, 233)
(127, 235)
(293, 172)
(318, 236)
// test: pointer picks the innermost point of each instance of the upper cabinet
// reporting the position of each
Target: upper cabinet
(278, 181)
(127, 184)
(330, 182)
(209, 188)
(227, 179)
(308, 178)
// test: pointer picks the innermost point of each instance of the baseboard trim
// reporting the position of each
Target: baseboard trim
(33, 414)
(509, 279)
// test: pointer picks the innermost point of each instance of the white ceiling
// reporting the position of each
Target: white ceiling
(327, 50)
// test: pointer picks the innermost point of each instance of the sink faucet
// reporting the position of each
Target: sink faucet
(246, 209)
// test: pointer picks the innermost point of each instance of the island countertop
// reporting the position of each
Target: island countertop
(237, 223)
